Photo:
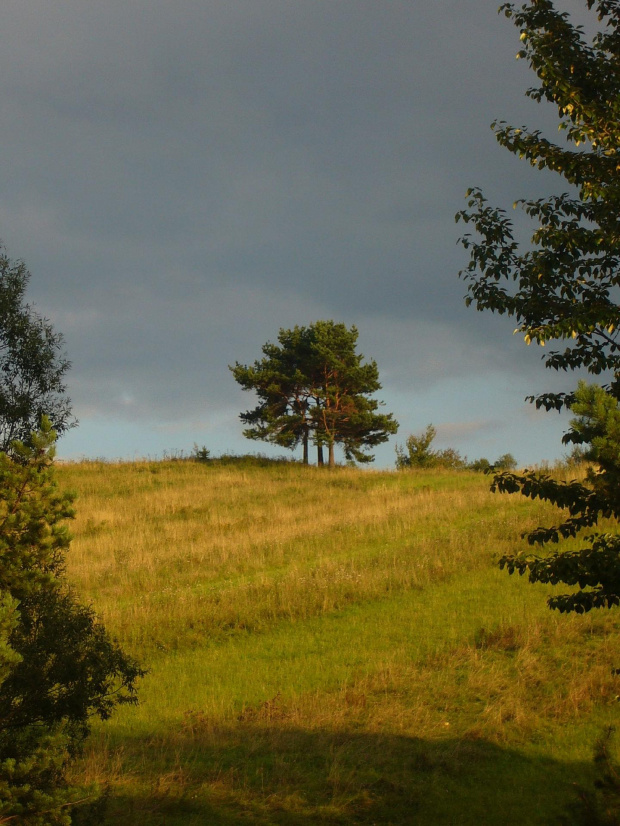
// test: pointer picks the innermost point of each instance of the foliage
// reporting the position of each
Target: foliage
(201, 454)
(599, 805)
(505, 462)
(280, 380)
(250, 460)
(313, 384)
(576, 457)
(563, 285)
(344, 412)
(58, 667)
(451, 459)
(481, 465)
(418, 450)
(595, 569)
(32, 365)
(417, 453)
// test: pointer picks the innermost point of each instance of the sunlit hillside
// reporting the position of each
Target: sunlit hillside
(332, 647)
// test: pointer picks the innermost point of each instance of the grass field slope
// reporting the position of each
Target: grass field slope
(332, 648)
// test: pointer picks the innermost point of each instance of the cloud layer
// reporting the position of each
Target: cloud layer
(184, 179)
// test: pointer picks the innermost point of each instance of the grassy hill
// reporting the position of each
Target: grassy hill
(332, 648)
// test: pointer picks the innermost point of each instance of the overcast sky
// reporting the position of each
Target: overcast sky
(185, 178)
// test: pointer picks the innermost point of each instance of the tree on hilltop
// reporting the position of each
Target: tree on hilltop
(563, 286)
(313, 385)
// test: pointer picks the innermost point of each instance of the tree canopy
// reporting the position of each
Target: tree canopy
(562, 286)
(314, 386)
(280, 380)
(32, 362)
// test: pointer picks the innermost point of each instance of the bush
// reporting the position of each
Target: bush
(201, 454)
(417, 453)
(450, 459)
(480, 465)
(505, 462)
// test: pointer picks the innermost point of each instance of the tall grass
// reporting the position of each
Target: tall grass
(332, 648)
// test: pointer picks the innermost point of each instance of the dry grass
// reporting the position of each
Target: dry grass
(175, 552)
(332, 648)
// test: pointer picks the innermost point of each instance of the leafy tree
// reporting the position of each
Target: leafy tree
(313, 385)
(563, 285)
(32, 364)
(58, 666)
(417, 453)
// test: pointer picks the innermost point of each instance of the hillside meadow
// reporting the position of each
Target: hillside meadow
(332, 648)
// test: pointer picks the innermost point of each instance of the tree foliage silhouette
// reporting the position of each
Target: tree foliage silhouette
(562, 286)
(32, 362)
(58, 666)
(313, 385)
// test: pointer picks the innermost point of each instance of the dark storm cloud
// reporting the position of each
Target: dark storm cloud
(185, 178)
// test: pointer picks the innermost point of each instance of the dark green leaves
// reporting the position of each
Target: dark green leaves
(314, 385)
(596, 568)
(32, 364)
(58, 666)
(562, 288)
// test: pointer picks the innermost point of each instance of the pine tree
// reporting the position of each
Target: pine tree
(314, 385)
(281, 383)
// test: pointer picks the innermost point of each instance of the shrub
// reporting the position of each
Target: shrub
(417, 453)
(480, 465)
(505, 462)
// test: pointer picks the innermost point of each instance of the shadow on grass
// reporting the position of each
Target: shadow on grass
(261, 774)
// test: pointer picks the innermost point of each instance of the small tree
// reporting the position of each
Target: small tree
(32, 363)
(58, 666)
(417, 451)
(563, 286)
(418, 454)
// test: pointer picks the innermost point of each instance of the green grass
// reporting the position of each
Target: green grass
(332, 648)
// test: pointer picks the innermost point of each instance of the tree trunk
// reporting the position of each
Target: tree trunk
(332, 459)
(305, 447)
(319, 451)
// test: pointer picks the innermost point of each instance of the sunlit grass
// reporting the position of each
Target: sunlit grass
(331, 648)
